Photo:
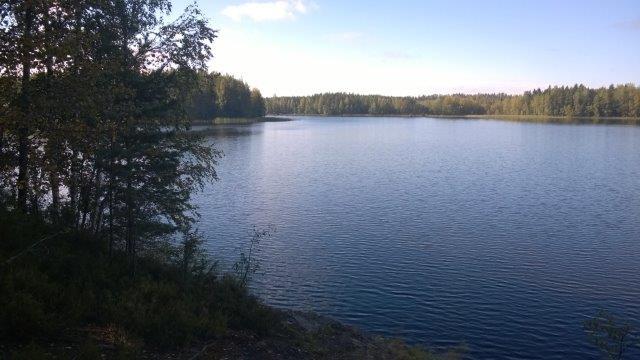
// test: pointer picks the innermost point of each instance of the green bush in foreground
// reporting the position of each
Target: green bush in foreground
(71, 282)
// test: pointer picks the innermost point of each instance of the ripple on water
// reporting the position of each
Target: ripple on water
(504, 236)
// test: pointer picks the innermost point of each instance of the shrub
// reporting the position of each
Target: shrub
(171, 302)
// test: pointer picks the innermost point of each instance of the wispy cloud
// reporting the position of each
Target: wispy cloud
(269, 11)
(629, 25)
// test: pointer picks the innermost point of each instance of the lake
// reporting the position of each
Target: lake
(505, 236)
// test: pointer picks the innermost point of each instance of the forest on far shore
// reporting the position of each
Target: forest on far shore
(220, 95)
(569, 101)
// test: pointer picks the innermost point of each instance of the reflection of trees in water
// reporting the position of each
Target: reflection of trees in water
(225, 131)
(611, 335)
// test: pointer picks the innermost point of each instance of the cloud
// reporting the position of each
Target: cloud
(629, 25)
(268, 11)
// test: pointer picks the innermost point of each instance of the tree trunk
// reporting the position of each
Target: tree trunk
(110, 218)
(36, 185)
(112, 178)
(1, 141)
(86, 196)
(53, 154)
(54, 181)
(53, 149)
(97, 225)
(23, 167)
(73, 187)
(97, 204)
(131, 245)
(23, 130)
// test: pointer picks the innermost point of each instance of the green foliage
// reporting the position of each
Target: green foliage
(203, 101)
(23, 316)
(220, 96)
(72, 282)
(257, 104)
(578, 101)
(248, 265)
(610, 335)
(93, 117)
(157, 310)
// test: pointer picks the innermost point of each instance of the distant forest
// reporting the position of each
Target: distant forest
(224, 96)
(571, 101)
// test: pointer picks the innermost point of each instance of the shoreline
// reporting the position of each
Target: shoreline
(516, 118)
(240, 121)
(161, 312)
(310, 335)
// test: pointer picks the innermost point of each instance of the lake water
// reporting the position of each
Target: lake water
(505, 236)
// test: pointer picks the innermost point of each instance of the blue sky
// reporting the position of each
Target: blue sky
(411, 47)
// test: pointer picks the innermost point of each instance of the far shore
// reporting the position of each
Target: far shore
(523, 118)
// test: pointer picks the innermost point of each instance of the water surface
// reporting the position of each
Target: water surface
(505, 236)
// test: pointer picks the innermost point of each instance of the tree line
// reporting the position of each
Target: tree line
(570, 101)
(94, 107)
(224, 96)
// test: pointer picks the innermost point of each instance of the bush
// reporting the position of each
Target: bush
(71, 283)
(22, 316)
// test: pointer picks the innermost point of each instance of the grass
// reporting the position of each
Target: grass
(69, 282)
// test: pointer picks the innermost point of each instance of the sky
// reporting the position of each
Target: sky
(417, 47)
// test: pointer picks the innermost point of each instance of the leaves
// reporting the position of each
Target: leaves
(93, 130)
